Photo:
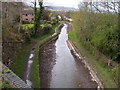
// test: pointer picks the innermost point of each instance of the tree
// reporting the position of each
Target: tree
(38, 16)
(35, 18)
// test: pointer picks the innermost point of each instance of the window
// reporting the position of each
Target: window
(26, 14)
(32, 18)
(26, 19)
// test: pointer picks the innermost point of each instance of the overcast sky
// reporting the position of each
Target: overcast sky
(65, 3)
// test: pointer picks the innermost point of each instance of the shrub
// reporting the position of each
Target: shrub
(116, 74)
(100, 30)
(25, 22)
(46, 28)
(27, 37)
(27, 26)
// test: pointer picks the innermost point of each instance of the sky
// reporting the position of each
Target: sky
(65, 3)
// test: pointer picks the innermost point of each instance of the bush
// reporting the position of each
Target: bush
(100, 30)
(27, 37)
(54, 22)
(27, 26)
(105, 40)
(25, 22)
(116, 74)
(46, 29)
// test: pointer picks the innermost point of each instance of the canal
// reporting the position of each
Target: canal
(66, 72)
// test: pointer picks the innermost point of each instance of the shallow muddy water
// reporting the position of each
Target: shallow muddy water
(64, 72)
(58, 67)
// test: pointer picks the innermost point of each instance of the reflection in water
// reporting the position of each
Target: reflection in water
(64, 73)
(28, 70)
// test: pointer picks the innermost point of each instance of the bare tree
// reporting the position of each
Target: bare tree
(100, 7)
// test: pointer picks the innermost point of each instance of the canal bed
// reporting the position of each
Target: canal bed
(62, 70)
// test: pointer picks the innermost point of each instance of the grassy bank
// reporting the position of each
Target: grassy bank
(21, 58)
(35, 73)
(103, 72)
(98, 30)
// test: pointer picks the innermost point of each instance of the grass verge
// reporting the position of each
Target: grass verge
(21, 58)
(103, 72)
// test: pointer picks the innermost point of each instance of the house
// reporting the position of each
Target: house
(28, 15)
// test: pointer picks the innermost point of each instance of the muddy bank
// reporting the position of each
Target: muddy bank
(81, 60)
(69, 28)
(47, 60)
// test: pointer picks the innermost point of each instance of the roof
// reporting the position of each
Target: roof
(27, 11)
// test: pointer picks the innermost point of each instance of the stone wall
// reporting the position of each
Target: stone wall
(11, 38)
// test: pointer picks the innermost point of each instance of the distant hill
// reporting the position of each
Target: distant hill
(59, 8)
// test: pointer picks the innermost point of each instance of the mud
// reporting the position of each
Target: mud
(47, 61)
